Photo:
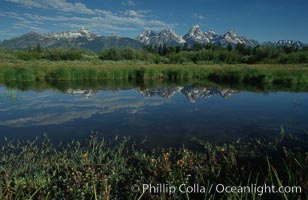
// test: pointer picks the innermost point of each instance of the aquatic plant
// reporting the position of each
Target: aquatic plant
(109, 169)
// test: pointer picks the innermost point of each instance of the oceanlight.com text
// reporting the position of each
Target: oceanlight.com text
(218, 188)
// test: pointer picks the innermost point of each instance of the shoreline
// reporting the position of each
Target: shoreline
(119, 168)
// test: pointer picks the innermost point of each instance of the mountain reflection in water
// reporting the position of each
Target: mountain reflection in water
(193, 93)
(167, 115)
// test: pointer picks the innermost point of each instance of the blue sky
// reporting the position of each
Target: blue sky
(263, 20)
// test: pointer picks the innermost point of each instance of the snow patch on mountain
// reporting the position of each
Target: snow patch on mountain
(83, 32)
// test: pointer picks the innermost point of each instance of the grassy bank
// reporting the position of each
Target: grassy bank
(99, 169)
(75, 71)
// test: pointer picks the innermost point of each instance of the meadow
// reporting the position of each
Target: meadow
(271, 66)
(287, 75)
(111, 169)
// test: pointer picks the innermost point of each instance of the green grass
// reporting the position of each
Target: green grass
(103, 169)
(86, 71)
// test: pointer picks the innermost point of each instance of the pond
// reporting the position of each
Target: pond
(160, 114)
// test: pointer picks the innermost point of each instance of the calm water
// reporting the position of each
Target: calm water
(163, 115)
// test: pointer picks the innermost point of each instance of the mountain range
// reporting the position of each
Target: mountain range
(196, 35)
(85, 39)
(70, 39)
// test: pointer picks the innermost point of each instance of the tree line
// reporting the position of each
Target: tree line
(210, 53)
(52, 54)
(198, 54)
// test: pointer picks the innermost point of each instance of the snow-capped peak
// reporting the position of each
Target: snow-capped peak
(86, 33)
(212, 32)
(147, 36)
(170, 35)
(195, 34)
(166, 36)
(231, 37)
(195, 30)
(83, 32)
(196, 26)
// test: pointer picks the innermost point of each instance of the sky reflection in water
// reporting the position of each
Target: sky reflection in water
(164, 115)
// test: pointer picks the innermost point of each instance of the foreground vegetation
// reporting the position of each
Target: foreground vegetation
(101, 169)
(234, 74)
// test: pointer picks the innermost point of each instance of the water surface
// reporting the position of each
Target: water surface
(167, 115)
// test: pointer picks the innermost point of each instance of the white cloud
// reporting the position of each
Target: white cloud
(132, 13)
(29, 3)
(109, 22)
(198, 16)
(60, 5)
(98, 20)
(128, 3)
(25, 21)
(29, 27)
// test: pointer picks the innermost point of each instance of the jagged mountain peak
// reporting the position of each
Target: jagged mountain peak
(231, 32)
(232, 37)
(85, 32)
(149, 31)
(195, 30)
(167, 31)
(211, 34)
(170, 37)
(166, 36)
(146, 36)
(195, 27)
(195, 35)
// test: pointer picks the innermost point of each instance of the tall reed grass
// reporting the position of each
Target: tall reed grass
(250, 74)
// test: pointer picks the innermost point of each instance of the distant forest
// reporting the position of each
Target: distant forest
(199, 54)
